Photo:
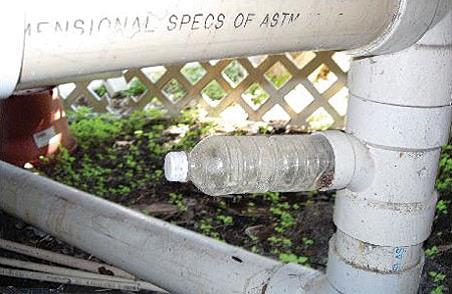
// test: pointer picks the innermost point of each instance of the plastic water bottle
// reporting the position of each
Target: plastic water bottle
(222, 165)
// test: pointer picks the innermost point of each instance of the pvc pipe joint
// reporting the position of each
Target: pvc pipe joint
(346, 277)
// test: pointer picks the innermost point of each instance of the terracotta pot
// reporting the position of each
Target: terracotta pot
(33, 124)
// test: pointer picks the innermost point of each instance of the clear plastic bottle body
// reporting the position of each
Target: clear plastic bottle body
(223, 165)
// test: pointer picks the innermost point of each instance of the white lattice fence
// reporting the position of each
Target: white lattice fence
(304, 89)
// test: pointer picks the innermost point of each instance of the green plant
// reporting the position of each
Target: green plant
(444, 182)
(178, 200)
(431, 252)
(442, 206)
(285, 218)
(257, 94)
(438, 279)
(227, 220)
(292, 258)
(80, 113)
(206, 228)
(235, 72)
(174, 90)
(96, 130)
(101, 91)
(222, 204)
(136, 88)
(157, 175)
(273, 197)
(214, 91)
(278, 75)
(437, 290)
(193, 72)
(280, 241)
(254, 249)
(307, 241)
(264, 130)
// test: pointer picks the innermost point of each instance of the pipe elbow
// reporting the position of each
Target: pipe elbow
(411, 20)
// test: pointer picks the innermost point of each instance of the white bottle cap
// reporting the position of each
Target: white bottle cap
(176, 167)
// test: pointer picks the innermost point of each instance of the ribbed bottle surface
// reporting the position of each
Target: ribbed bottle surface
(223, 165)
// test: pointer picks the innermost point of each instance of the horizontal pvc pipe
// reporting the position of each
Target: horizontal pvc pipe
(64, 40)
(170, 257)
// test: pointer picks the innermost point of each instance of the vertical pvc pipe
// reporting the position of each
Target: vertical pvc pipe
(400, 107)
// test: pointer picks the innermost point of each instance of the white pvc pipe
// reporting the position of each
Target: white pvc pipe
(64, 40)
(69, 39)
(400, 107)
(170, 257)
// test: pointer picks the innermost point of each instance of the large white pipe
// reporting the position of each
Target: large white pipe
(76, 38)
(66, 40)
(173, 258)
